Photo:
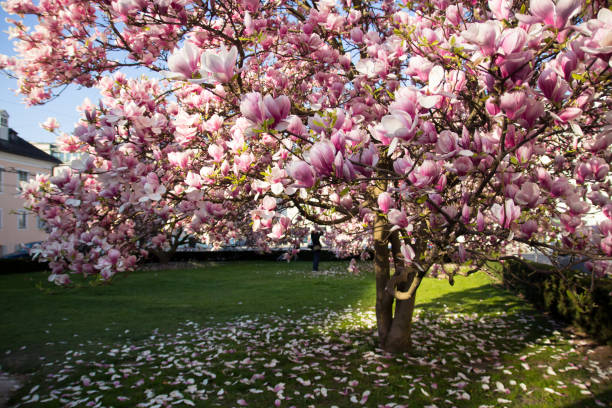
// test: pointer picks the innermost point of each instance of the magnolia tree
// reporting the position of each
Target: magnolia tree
(425, 131)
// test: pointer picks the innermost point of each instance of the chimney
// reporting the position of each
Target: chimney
(4, 129)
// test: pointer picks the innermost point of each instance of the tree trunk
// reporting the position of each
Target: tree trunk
(163, 257)
(394, 329)
(384, 301)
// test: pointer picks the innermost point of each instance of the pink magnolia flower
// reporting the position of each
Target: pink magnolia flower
(249, 26)
(533, 110)
(242, 163)
(606, 245)
(426, 174)
(152, 189)
(193, 180)
(344, 168)
(321, 157)
(216, 152)
(399, 124)
(567, 62)
(553, 87)
(513, 104)
(399, 218)
(576, 205)
(402, 165)
(180, 159)
(277, 108)
(465, 213)
(598, 33)
(567, 114)
(543, 177)
(250, 5)
(296, 126)
(484, 35)
(560, 187)
(183, 63)
(252, 108)
(528, 195)
(371, 67)
(419, 67)
(302, 173)
(407, 252)
(512, 41)
(453, 15)
(214, 123)
(385, 202)
(269, 203)
(278, 231)
(219, 64)
(505, 214)
(529, 228)
(60, 279)
(500, 8)
(524, 153)
(600, 168)
(356, 35)
(51, 124)
(463, 165)
(446, 145)
(480, 221)
(556, 15)
(605, 227)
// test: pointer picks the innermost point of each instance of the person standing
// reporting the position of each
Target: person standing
(315, 244)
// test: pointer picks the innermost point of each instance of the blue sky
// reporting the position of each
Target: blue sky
(26, 120)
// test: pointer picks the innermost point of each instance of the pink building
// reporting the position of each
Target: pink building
(19, 161)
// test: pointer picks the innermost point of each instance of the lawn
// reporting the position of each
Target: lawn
(266, 334)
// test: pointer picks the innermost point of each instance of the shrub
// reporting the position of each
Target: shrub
(569, 298)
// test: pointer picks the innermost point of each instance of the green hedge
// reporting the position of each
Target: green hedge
(22, 265)
(568, 297)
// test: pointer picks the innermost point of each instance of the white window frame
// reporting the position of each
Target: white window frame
(23, 214)
(40, 223)
(27, 176)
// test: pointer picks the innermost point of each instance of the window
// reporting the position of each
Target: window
(21, 176)
(41, 224)
(22, 220)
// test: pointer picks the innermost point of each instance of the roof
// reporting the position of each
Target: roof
(21, 147)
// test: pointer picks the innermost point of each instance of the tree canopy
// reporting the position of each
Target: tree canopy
(449, 130)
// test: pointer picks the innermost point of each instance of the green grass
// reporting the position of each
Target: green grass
(244, 328)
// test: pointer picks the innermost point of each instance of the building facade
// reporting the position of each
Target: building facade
(19, 161)
(54, 150)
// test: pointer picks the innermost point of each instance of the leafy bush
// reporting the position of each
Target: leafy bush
(21, 265)
(567, 297)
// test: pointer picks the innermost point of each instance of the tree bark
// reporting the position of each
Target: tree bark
(384, 301)
(399, 337)
(394, 329)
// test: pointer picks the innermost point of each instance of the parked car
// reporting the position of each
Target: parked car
(23, 252)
